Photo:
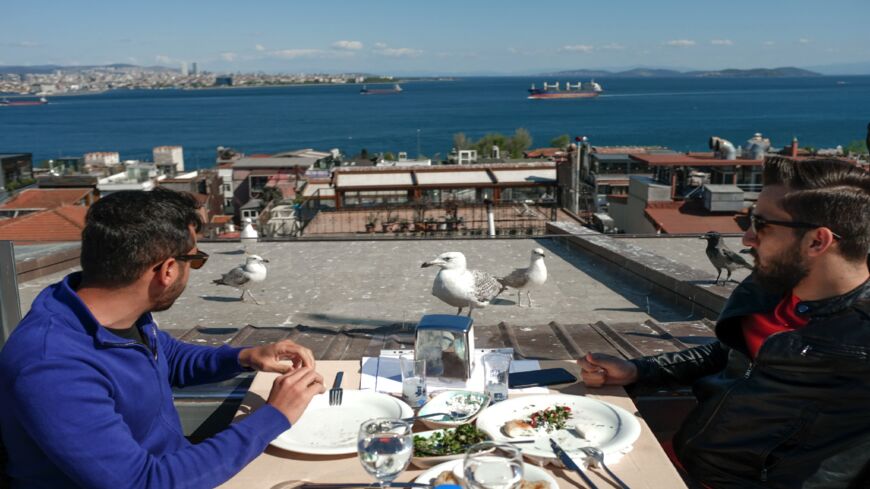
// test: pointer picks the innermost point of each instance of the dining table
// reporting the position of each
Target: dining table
(645, 466)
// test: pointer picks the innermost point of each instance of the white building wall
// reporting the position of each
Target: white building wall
(169, 155)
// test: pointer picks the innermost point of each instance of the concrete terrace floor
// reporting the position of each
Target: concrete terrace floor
(373, 283)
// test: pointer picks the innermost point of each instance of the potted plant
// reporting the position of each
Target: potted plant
(404, 224)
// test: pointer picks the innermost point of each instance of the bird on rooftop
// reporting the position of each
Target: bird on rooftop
(249, 235)
(460, 287)
(525, 279)
(244, 276)
(721, 257)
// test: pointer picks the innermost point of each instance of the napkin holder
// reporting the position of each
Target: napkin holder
(446, 342)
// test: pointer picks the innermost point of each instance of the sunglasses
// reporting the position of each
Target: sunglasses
(756, 223)
(196, 259)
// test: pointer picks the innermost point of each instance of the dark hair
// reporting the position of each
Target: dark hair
(827, 192)
(126, 232)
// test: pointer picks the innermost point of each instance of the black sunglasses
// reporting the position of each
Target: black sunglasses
(755, 223)
(197, 259)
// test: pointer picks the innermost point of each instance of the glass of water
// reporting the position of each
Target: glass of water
(491, 465)
(385, 446)
(413, 380)
(496, 367)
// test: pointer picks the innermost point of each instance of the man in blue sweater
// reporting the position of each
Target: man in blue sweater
(86, 378)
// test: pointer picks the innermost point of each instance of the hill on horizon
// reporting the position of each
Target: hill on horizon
(666, 73)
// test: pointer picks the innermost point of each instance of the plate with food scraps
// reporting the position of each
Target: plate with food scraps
(462, 406)
(333, 430)
(573, 421)
(434, 447)
(451, 473)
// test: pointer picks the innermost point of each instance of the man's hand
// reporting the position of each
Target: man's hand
(292, 392)
(267, 358)
(599, 369)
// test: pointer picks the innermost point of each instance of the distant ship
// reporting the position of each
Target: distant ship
(10, 103)
(577, 90)
(380, 91)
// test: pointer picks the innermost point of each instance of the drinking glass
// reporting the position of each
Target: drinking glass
(385, 446)
(413, 380)
(491, 465)
(496, 367)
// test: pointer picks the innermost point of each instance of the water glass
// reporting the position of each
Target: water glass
(413, 380)
(491, 465)
(496, 367)
(385, 447)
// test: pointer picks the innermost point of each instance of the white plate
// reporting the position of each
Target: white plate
(531, 473)
(608, 427)
(333, 430)
(446, 402)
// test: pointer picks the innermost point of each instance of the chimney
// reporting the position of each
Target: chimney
(794, 147)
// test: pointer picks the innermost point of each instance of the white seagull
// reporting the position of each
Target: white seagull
(244, 276)
(460, 287)
(527, 278)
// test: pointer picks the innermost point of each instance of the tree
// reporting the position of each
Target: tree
(388, 156)
(484, 145)
(857, 147)
(461, 142)
(561, 141)
(520, 142)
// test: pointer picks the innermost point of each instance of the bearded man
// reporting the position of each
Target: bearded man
(784, 394)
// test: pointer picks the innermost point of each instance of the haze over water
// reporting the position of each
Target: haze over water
(679, 113)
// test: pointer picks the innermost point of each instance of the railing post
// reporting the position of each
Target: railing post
(10, 307)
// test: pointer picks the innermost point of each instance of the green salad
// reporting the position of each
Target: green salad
(448, 442)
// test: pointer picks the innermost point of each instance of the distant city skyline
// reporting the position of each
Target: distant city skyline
(448, 37)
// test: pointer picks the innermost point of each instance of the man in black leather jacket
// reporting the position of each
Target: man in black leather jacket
(784, 394)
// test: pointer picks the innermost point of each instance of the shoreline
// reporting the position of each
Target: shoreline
(187, 89)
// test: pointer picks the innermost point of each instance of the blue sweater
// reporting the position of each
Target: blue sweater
(80, 406)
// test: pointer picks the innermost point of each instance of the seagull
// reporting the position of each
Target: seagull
(527, 278)
(244, 276)
(248, 235)
(722, 257)
(460, 287)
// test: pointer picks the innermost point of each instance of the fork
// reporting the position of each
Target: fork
(335, 393)
(597, 457)
(430, 415)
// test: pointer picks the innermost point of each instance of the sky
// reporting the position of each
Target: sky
(447, 37)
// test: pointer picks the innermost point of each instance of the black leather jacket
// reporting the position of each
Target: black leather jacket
(798, 416)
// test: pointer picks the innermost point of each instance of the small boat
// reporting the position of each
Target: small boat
(578, 90)
(380, 91)
(11, 103)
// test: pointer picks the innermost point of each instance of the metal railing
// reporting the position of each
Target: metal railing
(426, 219)
(10, 305)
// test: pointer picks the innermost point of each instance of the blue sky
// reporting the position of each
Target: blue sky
(438, 37)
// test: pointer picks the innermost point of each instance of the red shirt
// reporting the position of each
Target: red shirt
(757, 327)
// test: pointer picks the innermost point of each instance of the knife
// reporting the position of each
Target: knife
(569, 463)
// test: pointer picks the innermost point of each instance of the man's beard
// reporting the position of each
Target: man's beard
(169, 296)
(782, 273)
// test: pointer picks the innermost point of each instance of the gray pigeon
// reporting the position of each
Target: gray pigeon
(244, 276)
(722, 257)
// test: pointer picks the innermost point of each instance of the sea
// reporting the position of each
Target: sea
(679, 113)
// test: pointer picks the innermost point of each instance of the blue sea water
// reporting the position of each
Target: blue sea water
(680, 113)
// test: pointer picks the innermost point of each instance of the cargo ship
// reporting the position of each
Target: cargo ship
(577, 90)
(11, 103)
(380, 91)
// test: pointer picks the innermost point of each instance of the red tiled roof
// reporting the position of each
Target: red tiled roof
(46, 198)
(221, 219)
(64, 223)
(542, 152)
(624, 149)
(688, 160)
(689, 218)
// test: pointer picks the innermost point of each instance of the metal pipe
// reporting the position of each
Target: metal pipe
(10, 305)
(490, 219)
